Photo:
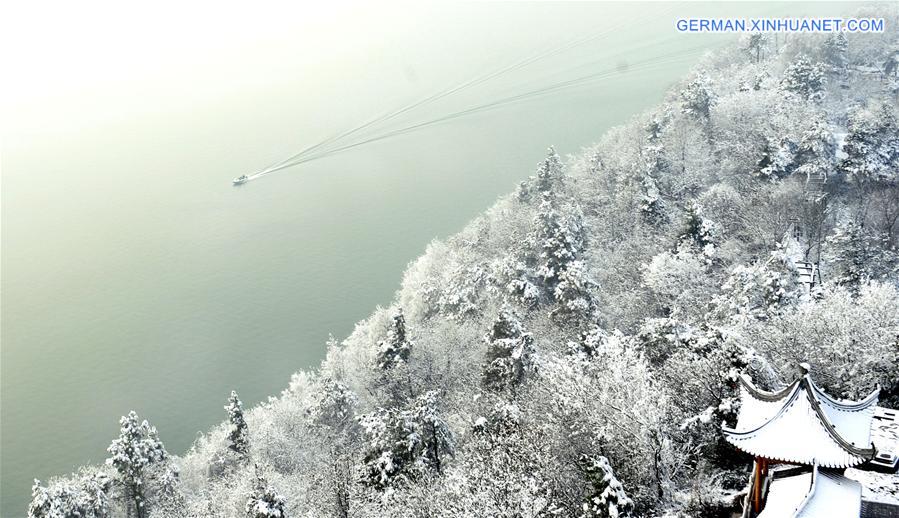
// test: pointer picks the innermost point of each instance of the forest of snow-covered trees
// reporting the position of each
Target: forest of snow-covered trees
(573, 350)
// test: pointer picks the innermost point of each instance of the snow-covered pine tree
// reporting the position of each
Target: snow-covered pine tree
(401, 444)
(652, 207)
(169, 500)
(137, 447)
(655, 165)
(698, 98)
(503, 420)
(872, 146)
(605, 497)
(705, 368)
(657, 123)
(573, 293)
(437, 439)
(758, 290)
(587, 346)
(44, 504)
(657, 339)
(86, 498)
(94, 499)
(698, 232)
(546, 180)
(849, 255)
(238, 434)
(558, 238)
(756, 43)
(332, 405)
(460, 295)
(509, 352)
(834, 51)
(778, 158)
(521, 284)
(549, 174)
(390, 443)
(816, 153)
(264, 501)
(760, 79)
(395, 349)
(805, 79)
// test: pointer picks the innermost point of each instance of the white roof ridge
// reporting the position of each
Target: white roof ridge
(811, 491)
(818, 492)
(756, 439)
(846, 404)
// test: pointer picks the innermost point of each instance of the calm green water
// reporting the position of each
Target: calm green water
(134, 276)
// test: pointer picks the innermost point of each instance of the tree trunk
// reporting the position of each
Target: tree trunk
(435, 448)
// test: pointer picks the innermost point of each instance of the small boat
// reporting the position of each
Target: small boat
(242, 179)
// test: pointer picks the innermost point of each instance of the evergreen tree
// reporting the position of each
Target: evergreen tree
(547, 178)
(834, 51)
(43, 504)
(521, 285)
(169, 498)
(238, 435)
(816, 153)
(759, 80)
(137, 447)
(559, 240)
(654, 129)
(509, 352)
(652, 206)
(264, 501)
(437, 439)
(656, 125)
(854, 257)
(390, 445)
(606, 497)
(872, 146)
(333, 405)
(704, 367)
(759, 290)
(86, 498)
(778, 159)
(573, 293)
(698, 232)
(589, 344)
(403, 444)
(698, 98)
(395, 349)
(655, 165)
(460, 294)
(805, 79)
(549, 174)
(756, 44)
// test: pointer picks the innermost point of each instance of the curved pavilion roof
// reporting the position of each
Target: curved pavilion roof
(820, 493)
(801, 424)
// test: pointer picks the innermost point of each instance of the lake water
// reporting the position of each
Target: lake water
(134, 276)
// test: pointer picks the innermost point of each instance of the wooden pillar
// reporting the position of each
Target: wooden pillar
(761, 473)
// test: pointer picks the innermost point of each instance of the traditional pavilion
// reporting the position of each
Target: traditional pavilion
(802, 440)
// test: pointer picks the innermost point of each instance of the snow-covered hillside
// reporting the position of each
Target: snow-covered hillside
(573, 350)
